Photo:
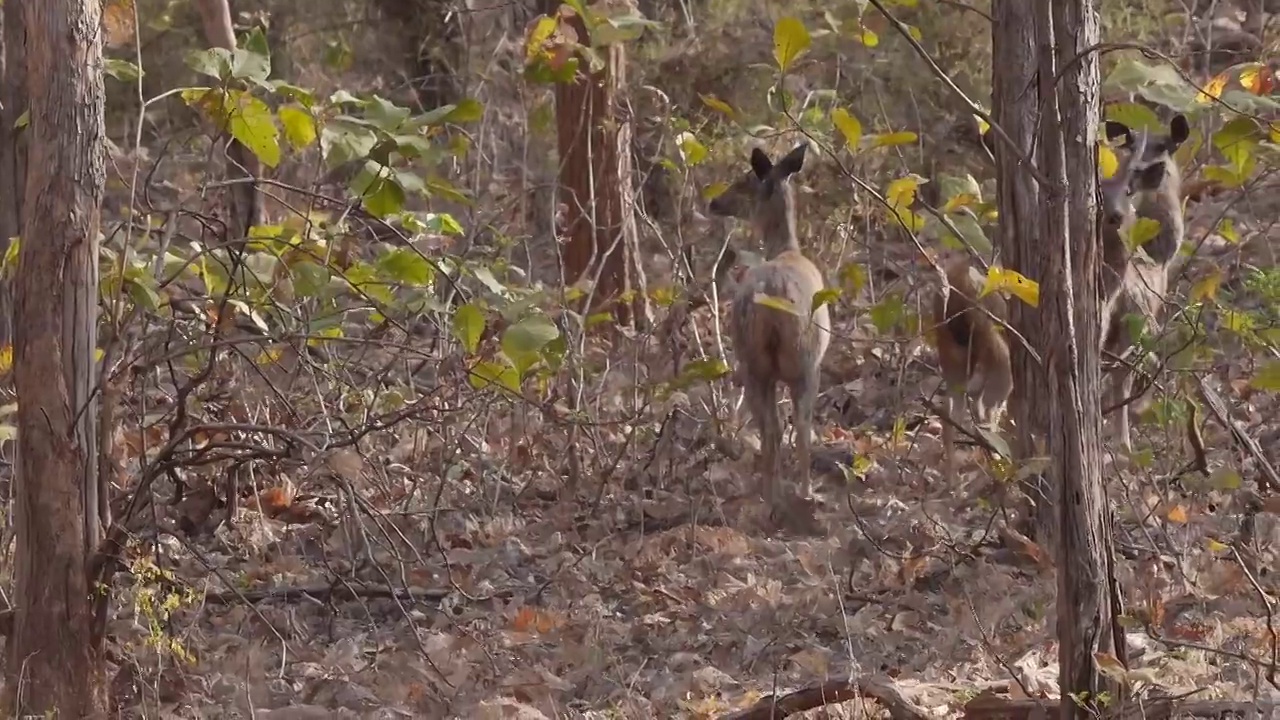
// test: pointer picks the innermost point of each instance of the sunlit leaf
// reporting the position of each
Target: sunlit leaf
(1207, 287)
(692, 152)
(902, 137)
(848, 126)
(299, 127)
(1268, 377)
(1001, 279)
(790, 40)
(718, 105)
(1107, 162)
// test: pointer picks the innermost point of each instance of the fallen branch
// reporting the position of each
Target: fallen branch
(327, 593)
(882, 691)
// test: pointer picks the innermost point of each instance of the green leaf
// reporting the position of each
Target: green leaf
(488, 372)
(406, 266)
(299, 126)
(122, 70)
(703, 370)
(1237, 140)
(309, 278)
(468, 326)
(692, 152)
(1268, 377)
(143, 296)
(468, 110)
(887, 313)
(790, 40)
(522, 341)
(379, 194)
(848, 126)
(826, 296)
(214, 62)
(252, 58)
(1135, 115)
(387, 115)
(254, 126)
(443, 223)
(853, 278)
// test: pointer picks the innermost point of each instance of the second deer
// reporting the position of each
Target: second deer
(773, 345)
(1147, 184)
(973, 352)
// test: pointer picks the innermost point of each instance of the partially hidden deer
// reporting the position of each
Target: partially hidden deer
(973, 352)
(1147, 184)
(773, 345)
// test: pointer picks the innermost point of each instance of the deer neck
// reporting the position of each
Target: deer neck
(777, 226)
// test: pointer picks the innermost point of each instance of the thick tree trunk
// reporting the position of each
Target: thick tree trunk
(13, 148)
(215, 16)
(55, 664)
(594, 139)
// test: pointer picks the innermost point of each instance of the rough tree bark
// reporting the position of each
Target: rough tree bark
(247, 209)
(1015, 108)
(596, 193)
(13, 148)
(55, 665)
(1050, 235)
(1066, 31)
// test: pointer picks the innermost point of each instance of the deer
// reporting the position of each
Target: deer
(973, 352)
(1148, 184)
(773, 345)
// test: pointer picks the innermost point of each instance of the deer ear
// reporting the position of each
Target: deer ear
(1117, 129)
(1179, 131)
(794, 160)
(760, 163)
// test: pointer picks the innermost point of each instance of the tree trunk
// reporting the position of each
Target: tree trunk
(1015, 109)
(246, 210)
(55, 653)
(1066, 30)
(13, 148)
(1050, 235)
(594, 139)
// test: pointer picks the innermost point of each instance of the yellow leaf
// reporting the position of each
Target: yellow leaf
(6, 359)
(1107, 162)
(539, 34)
(868, 37)
(1213, 90)
(1178, 515)
(960, 200)
(1207, 287)
(1273, 133)
(902, 192)
(776, 303)
(1108, 664)
(717, 104)
(1011, 281)
(1227, 230)
(790, 40)
(1142, 231)
(848, 126)
(1215, 546)
(1252, 79)
(983, 125)
(902, 137)
(714, 190)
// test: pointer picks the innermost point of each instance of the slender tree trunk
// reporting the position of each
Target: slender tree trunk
(1015, 109)
(13, 148)
(247, 209)
(55, 663)
(594, 139)
(1086, 601)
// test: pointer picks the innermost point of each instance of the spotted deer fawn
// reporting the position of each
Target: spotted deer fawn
(773, 345)
(1147, 184)
(972, 351)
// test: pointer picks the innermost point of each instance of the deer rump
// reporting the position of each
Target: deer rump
(774, 343)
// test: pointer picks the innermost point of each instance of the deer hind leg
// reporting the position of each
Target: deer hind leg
(804, 395)
(762, 400)
(1119, 387)
(953, 404)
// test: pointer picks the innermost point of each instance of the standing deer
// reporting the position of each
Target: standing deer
(773, 345)
(973, 352)
(1148, 184)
